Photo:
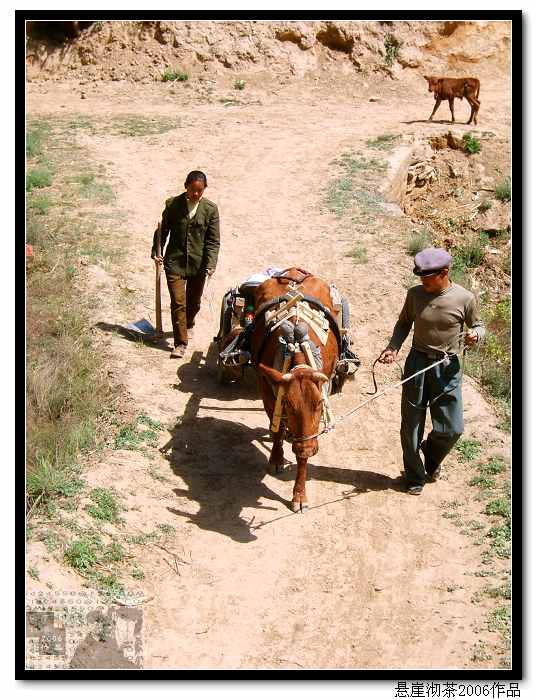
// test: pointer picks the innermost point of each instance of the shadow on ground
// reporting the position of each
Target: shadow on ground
(224, 462)
(435, 121)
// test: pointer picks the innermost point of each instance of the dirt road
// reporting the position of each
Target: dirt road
(370, 578)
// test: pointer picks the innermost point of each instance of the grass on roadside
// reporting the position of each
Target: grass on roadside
(355, 188)
(419, 240)
(358, 254)
(106, 506)
(38, 178)
(132, 436)
(137, 125)
(503, 190)
(174, 75)
(384, 142)
(468, 449)
(490, 362)
(66, 385)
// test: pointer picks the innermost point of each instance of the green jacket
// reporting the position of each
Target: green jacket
(194, 243)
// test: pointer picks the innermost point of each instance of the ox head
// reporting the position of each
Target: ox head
(302, 403)
(433, 82)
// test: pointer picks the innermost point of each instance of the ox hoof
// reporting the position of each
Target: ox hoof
(280, 468)
(299, 507)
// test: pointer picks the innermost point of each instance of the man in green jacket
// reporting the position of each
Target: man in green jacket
(438, 309)
(192, 224)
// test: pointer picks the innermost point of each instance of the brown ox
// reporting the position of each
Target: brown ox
(450, 88)
(302, 385)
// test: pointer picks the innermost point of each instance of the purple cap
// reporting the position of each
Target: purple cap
(430, 261)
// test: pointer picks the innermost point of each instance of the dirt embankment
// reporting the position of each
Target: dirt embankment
(142, 51)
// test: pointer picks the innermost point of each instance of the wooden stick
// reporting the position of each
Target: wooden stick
(276, 416)
(306, 348)
(158, 273)
(270, 315)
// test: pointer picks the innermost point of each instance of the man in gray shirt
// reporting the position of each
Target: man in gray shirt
(439, 310)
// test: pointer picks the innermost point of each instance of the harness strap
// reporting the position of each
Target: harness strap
(332, 322)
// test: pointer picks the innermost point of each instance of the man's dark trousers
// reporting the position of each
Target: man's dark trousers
(440, 388)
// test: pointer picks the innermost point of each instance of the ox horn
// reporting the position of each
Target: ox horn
(319, 377)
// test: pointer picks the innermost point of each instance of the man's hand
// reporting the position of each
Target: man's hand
(158, 259)
(387, 356)
(209, 273)
(470, 338)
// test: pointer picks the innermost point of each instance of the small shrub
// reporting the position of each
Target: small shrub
(108, 584)
(239, 84)
(130, 438)
(38, 178)
(358, 254)
(500, 506)
(499, 591)
(391, 46)
(91, 188)
(495, 465)
(166, 529)
(40, 204)
(501, 540)
(503, 190)
(146, 420)
(468, 449)
(35, 138)
(114, 552)
(48, 480)
(81, 555)
(106, 506)
(471, 253)
(471, 143)
(137, 573)
(418, 241)
(485, 205)
(499, 620)
(384, 142)
(484, 482)
(174, 75)
(33, 572)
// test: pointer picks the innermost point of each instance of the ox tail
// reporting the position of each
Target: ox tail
(478, 88)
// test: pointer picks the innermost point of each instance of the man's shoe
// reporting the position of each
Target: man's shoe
(433, 470)
(178, 351)
(415, 489)
(435, 475)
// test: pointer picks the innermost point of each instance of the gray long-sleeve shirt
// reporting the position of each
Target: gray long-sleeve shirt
(438, 319)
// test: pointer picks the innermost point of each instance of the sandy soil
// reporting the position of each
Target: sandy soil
(370, 578)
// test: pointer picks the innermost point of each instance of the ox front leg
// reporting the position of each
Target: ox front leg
(474, 104)
(300, 500)
(276, 458)
(452, 108)
(436, 106)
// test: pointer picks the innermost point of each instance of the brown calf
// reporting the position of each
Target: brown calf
(450, 88)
